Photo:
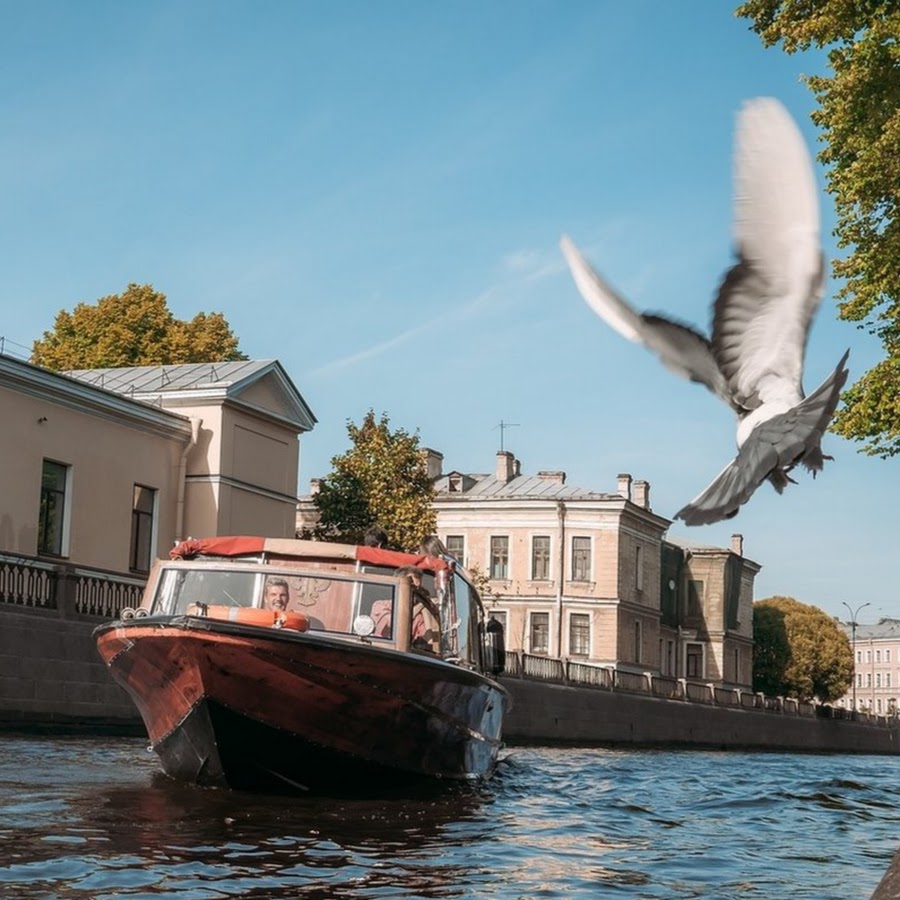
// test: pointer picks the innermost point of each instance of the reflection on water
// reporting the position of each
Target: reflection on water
(94, 818)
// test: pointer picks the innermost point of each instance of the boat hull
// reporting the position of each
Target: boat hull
(243, 707)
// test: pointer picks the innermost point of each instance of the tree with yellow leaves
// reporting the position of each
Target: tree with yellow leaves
(381, 480)
(134, 328)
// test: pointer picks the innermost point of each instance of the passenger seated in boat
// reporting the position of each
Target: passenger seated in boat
(382, 614)
(277, 594)
(425, 615)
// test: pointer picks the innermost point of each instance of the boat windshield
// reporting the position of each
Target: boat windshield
(342, 605)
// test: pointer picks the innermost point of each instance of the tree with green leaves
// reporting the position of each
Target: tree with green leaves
(381, 480)
(134, 328)
(799, 651)
(859, 114)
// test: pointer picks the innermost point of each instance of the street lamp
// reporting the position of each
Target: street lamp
(853, 624)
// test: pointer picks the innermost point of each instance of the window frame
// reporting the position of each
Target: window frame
(581, 559)
(500, 572)
(534, 629)
(62, 519)
(580, 636)
(542, 556)
(139, 533)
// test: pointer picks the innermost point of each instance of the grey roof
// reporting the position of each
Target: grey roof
(884, 628)
(521, 486)
(167, 379)
(198, 380)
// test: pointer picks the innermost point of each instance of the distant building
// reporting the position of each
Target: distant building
(590, 575)
(876, 667)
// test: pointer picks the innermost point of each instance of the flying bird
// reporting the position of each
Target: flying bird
(761, 317)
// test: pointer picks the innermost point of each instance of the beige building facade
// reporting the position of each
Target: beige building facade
(107, 468)
(876, 674)
(591, 576)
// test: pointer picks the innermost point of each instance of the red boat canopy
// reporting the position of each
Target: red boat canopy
(252, 546)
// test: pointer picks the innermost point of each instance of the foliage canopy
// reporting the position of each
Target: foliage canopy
(381, 480)
(799, 651)
(134, 328)
(859, 114)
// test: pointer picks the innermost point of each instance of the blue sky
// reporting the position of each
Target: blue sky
(374, 194)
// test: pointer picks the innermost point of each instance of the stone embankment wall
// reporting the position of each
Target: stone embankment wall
(51, 677)
(50, 673)
(547, 712)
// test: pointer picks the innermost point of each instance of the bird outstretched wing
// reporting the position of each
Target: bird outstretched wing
(766, 303)
(680, 348)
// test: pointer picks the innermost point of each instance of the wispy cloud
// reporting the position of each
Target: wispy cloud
(518, 268)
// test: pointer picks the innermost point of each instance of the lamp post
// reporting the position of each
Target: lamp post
(853, 624)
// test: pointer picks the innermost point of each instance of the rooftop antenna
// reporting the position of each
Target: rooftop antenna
(503, 426)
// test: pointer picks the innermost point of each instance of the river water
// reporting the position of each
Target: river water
(94, 818)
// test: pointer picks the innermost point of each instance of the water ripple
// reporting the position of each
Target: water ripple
(96, 820)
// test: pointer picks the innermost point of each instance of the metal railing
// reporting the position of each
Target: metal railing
(31, 583)
(582, 674)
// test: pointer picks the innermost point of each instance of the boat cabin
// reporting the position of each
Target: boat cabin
(337, 591)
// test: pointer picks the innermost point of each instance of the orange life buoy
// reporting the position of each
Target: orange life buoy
(264, 618)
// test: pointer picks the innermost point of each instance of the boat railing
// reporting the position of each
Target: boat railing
(578, 673)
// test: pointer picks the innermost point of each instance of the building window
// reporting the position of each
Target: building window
(887, 655)
(878, 704)
(887, 679)
(638, 569)
(540, 558)
(500, 558)
(142, 508)
(637, 641)
(877, 656)
(868, 656)
(579, 634)
(456, 547)
(670, 658)
(540, 633)
(859, 680)
(52, 516)
(868, 679)
(693, 660)
(878, 679)
(695, 600)
(499, 615)
(581, 559)
(859, 656)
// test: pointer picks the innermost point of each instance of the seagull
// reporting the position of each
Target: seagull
(761, 317)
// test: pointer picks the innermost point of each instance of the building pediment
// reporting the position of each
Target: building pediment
(261, 386)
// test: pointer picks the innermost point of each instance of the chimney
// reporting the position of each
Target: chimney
(625, 486)
(737, 544)
(315, 485)
(642, 494)
(506, 466)
(434, 462)
(553, 477)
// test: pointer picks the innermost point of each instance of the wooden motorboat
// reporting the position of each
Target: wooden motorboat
(274, 664)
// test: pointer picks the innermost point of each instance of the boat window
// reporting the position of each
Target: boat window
(458, 621)
(182, 590)
(330, 604)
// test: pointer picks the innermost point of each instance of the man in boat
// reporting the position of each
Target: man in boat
(277, 594)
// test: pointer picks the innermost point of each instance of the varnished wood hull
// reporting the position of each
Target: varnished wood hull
(244, 707)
